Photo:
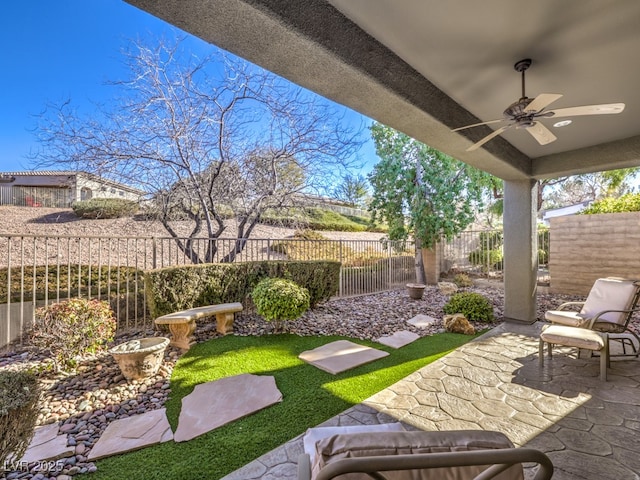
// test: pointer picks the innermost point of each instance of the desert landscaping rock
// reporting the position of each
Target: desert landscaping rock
(84, 404)
(133, 433)
(399, 339)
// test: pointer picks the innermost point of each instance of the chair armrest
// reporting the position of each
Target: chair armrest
(593, 321)
(499, 459)
(570, 304)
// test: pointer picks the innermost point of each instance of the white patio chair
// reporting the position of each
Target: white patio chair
(608, 309)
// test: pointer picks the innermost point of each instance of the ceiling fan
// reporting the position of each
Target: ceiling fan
(525, 112)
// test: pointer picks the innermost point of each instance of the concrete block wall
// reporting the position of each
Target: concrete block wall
(584, 248)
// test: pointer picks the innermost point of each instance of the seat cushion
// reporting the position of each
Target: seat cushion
(352, 445)
(573, 337)
(566, 317)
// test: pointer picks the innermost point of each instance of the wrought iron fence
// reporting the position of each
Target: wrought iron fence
(38, 270)
(480, 253)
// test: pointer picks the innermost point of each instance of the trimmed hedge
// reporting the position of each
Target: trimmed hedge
(66, 280)
(105, 208)
(178, 288)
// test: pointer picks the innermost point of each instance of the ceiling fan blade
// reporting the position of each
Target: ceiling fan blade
(478, 124)
(607, 108)
(477, 145)
(541, 101)
(541, 133)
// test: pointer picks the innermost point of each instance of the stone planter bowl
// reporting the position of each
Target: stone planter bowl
(140, 358)
(415, 290)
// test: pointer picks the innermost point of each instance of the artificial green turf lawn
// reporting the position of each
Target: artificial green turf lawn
(310, 396)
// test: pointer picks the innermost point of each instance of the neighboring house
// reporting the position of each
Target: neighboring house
(561, 212)
(54, 188)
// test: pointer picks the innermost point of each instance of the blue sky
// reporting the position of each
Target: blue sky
(54, 50)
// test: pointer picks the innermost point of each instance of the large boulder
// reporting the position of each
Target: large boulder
(458, 323)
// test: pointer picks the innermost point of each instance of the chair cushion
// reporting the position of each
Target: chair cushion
(314, 435)
(609, 294)
(566, 317)
(573, 337)
(352, 445)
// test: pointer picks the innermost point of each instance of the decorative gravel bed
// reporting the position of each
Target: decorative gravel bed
(84, 403)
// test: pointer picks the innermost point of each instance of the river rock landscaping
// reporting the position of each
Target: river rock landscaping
(83, 404)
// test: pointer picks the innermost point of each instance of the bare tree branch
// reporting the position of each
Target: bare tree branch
(216, 141)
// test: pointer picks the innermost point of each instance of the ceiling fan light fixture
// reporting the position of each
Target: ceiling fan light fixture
(562, 123)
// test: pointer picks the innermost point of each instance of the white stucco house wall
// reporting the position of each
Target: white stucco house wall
(562, 211)
(57, 188)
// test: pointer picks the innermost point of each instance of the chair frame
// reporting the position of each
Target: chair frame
(498, 459)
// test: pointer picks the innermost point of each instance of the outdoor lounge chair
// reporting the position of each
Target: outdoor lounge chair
(608, 309)
(420, 455)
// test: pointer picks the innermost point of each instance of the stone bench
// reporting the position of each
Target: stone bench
(182, 324)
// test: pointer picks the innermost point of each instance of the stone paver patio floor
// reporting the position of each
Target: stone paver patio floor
(589, 429)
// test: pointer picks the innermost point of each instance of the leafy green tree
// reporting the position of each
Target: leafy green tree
(565, 191)
(422, 192)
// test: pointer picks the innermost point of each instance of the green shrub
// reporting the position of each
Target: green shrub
(543, 245)
(474, 306)
(626, 203)
(105, 208)
(490, 240)
(19, 394)
(462, 280)
(543, 256)
(177, 288)
(72, 328)
(484, 257)
(277, 300)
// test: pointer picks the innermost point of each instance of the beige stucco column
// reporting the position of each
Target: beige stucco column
(432, 260)
(520, 250)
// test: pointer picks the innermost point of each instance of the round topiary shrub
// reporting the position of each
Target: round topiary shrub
(472, 305)
(72, 328)
(19, 394)
(279, 300)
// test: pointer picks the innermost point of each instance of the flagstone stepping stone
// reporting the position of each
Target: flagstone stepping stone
(217, 403)
(423, 321)
(341, 355)
(133, 433)
(399, 339)
(46, 444)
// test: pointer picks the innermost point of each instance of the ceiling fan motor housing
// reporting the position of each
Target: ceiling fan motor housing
(517, 109)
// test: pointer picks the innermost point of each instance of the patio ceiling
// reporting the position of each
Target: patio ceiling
(425, 67)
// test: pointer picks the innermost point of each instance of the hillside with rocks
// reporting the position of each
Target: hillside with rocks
(63, 222)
